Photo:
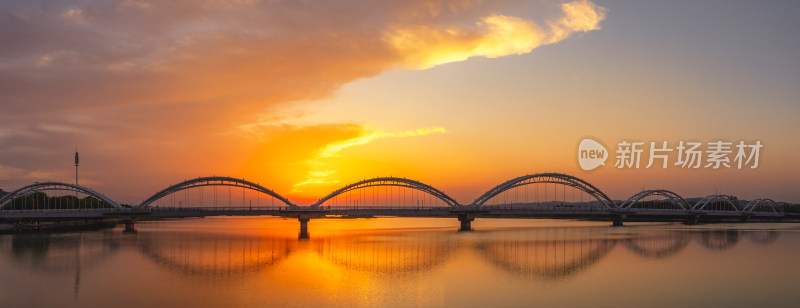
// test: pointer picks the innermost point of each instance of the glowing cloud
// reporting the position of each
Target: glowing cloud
(334, 148)
(495, 36)
(319, 174)
(579, 16)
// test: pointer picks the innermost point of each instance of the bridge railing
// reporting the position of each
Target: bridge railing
(102, 210)
(545, 207)
(368, 207)
(219, 208)
(296, 208)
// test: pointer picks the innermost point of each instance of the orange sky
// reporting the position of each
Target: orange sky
(463, 95)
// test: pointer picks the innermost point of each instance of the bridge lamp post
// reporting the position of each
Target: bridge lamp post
(77, 162)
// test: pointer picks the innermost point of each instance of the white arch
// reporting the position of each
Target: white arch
(729, 200)
(212, 181)
(55, 186)
(673, 197)
(762, 202)
(555, 178)
(392, 181)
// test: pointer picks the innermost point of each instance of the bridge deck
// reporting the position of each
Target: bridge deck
(483, 211)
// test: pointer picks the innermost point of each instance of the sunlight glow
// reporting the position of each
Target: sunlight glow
(321, 173)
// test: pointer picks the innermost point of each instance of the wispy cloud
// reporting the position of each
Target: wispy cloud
(9, 172)
(322, 173)
(332, 149)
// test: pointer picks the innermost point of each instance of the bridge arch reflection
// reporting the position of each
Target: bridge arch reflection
(393, 254)
(718, 239)
(545, 253)
(658, 246)
(214, 256)
(762, 237)
(56, 253)
(61, 253)
(551, 254)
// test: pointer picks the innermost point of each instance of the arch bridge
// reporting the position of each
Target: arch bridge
(711, 208)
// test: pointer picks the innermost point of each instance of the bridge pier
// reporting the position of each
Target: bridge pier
(129, 225)
(303, 227)
(616, 220)
(303, 215)
(693, 220)
(466, 222)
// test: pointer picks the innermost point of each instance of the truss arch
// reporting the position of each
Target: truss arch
(392, 182)
(555, 178)
(669, 195)
(769, 203)
(213, 181)
(727, 200)
(24, 191)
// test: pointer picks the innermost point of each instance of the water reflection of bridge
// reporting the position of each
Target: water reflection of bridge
(762, 237)
(546, 253)
(719, 239)
(60, 253)
(545, 258)
(56, 253)
(214, 256)
(386, 254)
(659, 246)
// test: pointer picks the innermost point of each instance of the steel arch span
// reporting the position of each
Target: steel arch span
(55, 186)
(671, 196)
(213, 181)
(725, 199)
(769, 203)
(392, 181)
(555, 178)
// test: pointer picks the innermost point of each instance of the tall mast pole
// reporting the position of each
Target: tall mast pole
(77, 161)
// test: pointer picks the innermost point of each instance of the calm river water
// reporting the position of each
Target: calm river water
(404, 262)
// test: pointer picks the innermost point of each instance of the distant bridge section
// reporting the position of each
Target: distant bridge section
(767, 204)
(668, 196)
(718, 202)
(54, 186)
